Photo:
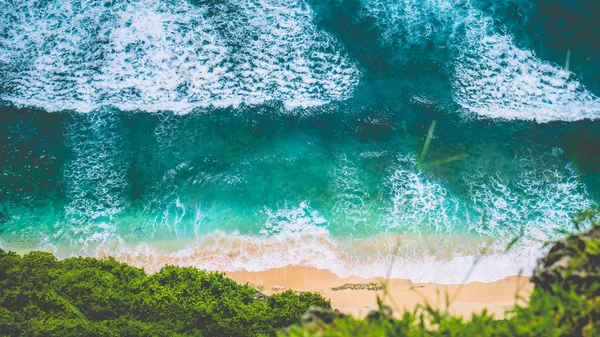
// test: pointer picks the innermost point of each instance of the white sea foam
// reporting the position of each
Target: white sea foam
(417, 235)
(95, 180)
(233, 251)
(538, 204)
(352, 208)
(167, 55)
(413, 22)
(492, 76)
(418, 204)
(294, 221)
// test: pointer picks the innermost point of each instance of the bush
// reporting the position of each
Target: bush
(565, 302)
(42, 296)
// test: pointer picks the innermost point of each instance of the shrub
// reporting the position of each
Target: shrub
(565, 302)
(42, 296)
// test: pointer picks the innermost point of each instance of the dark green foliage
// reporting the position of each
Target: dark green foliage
(289, 306)
(41, 296)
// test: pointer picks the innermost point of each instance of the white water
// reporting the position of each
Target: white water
(465, 240)
(167, 55)
(492, 76)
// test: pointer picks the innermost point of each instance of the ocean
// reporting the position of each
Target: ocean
(402, 138)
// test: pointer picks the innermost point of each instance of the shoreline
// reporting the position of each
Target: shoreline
(357, 295)
(449, 259)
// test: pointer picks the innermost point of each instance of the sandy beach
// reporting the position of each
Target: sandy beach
(357, 296)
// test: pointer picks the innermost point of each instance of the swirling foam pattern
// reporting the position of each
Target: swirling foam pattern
(95, 181)
(351, 207)
(417, 202)
(167, 55)
(537, 204)
(495, 78)
(421, 221)
(492, 76)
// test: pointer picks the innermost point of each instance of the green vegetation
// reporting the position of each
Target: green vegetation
(565, 314)
(41, 296)
(565, 302)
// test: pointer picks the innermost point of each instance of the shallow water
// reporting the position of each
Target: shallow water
(251, 135)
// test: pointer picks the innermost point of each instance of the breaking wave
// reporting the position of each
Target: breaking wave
(225, 192)
(421, 222)
(492, 76)
(234, 252)
(167, 55)
(537, 205)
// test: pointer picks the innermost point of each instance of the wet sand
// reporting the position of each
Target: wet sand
(357, 296)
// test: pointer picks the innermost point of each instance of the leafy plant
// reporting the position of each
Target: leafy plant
(565, 302)
(42, 296)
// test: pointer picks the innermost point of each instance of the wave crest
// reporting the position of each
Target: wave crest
(492, 77)
(168, 55)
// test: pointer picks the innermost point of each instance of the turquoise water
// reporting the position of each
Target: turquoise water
(256, 134)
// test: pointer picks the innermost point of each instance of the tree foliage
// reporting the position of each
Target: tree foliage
(42, 296)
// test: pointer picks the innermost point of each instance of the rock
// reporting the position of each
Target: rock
(575, 261)
(314, 315)
(385, 312)
(260, 296)
(258, 287)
